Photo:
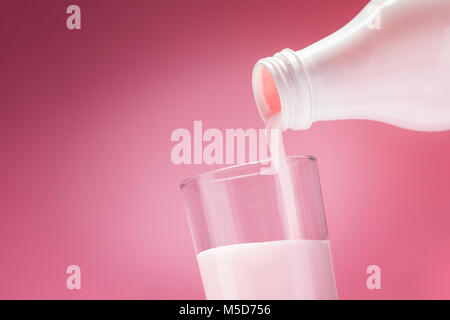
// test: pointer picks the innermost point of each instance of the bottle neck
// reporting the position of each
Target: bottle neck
(293, 87)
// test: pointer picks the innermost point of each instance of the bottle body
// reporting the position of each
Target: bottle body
(391, 63)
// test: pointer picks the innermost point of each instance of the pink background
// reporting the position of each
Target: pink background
(86, 176)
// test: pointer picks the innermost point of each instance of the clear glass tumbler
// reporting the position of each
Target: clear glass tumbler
(260, 235)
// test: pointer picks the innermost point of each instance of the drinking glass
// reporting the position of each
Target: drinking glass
(259, 233)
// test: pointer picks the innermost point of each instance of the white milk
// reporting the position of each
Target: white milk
(287, 269)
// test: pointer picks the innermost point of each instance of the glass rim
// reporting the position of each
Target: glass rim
(206, 174)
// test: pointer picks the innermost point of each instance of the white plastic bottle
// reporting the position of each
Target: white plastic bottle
(391, 63)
